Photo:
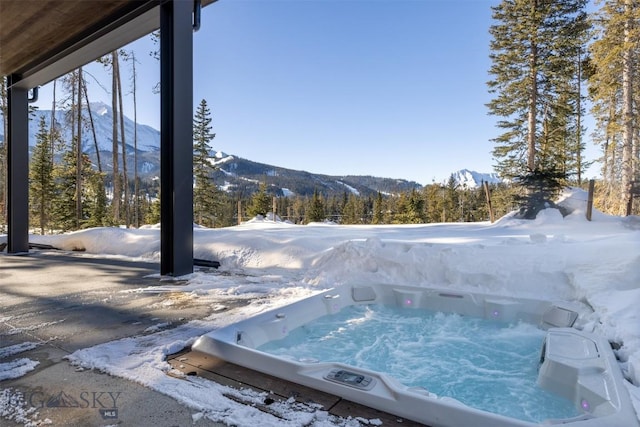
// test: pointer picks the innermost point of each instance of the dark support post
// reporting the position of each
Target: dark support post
(176, 140)
(18, 169)
(592, 184)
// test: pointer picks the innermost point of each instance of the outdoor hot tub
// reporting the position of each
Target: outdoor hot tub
(440, 357)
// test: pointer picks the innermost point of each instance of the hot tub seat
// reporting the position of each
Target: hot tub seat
(581, 367)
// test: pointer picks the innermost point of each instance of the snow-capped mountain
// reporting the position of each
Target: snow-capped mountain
(102, 114)
(148, 138)
(472, 179)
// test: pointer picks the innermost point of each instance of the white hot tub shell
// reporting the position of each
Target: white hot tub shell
(575, 364)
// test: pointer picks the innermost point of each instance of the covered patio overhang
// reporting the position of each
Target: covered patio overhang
(43, 40)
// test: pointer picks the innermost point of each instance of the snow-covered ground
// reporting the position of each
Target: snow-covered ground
(274, 263)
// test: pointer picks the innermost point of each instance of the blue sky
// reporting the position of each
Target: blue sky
(389, 88)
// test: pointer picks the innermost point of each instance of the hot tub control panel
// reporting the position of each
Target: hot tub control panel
(352, 379)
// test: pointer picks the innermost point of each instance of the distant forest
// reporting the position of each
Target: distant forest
(550, 60)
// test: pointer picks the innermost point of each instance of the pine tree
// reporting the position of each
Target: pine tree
(410, 209)
(64, 203)
(353, 212)
(153, 216)
(315, 212)
(430, 195)
(260, 202)
(450, 200)
(63, 208)
(136, 180)
(41, 183)
(613, 88)
(415, 213)
(298, 210)
(115, 66)
(96, 186)
(533, 51)
(96, 200)
(205, 194)
(79, 154)
(116, 178)
(378, 210)
(334, 206)
(542, 187)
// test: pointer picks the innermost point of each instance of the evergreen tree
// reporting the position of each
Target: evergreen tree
(228, 211)
(206, 196)
(542, 188)
(334, 208)
(353, 212)
(378, 210)
(96, 200)
(367, 207)
(260, 202)
(391, 209)
(153, 215)
(505, 198)
(410, 208)
(450, 200)
(533, 50)
(41, 185)
(613, 88)
(434, 197)
(111, 60)
(315, 213)
(298, 210)
(63, 207)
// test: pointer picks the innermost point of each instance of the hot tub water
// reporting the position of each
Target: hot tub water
(485, 364)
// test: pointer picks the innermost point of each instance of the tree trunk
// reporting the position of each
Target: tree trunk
(52, 127)
(533, 101)
(136, 190)
(125, 181)
(72, 82)
(79, 153)
(115, 150)
(93, 128)
(609, 167)
(627, 113)
(579, 122)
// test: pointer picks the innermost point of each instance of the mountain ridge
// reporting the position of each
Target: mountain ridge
(233, 174)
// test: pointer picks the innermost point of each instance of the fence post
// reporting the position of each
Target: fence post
(488, 196)
(239, 212)
(273, 204)
(590, 199)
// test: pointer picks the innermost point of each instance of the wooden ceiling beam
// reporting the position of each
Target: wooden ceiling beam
(50, 57)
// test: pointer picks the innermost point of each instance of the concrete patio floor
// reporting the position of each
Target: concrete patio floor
(64, 303)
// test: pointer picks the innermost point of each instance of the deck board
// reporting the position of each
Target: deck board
(206, 366)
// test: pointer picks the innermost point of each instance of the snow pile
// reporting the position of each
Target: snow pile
(16, 368)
